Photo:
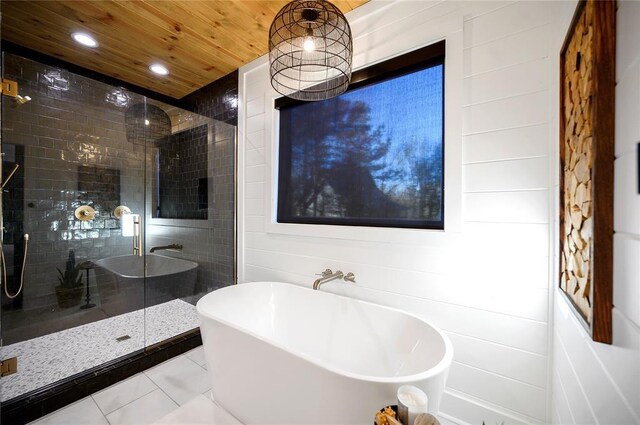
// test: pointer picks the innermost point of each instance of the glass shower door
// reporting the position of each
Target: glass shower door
(118, 214)
(180, 218)
(74, 186)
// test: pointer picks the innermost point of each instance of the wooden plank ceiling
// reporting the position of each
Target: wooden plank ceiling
(199, 41)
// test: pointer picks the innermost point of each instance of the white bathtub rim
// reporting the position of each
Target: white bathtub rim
(438, 368)
(192, 265)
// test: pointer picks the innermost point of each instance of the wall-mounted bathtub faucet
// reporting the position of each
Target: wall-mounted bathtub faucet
(173, 246)
(327, 276)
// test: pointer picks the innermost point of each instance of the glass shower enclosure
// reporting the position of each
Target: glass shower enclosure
(104, 195)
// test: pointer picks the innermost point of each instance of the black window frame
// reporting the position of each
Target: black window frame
(417, 60)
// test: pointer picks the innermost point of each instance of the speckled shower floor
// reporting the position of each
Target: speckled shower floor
(50, 358)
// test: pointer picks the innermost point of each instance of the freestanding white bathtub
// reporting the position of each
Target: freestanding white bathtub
(282, 354)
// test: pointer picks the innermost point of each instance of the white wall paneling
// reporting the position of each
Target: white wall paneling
(485, 279)
(592, 382)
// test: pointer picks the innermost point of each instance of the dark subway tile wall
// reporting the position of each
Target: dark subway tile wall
(210, 242)
(181, 182)
(75, 128)
(215, 248)
(75, 153)
(218, 100)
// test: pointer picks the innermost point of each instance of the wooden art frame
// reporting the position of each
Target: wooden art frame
(587, 121)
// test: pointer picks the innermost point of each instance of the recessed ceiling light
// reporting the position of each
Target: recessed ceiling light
(159, 69)
(84, 39)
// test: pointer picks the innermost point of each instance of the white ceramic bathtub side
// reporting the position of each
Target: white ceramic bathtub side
(282, 354)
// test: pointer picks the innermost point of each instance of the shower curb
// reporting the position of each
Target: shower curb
(38, 403)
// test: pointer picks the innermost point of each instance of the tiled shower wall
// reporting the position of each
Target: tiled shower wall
(74, 122)
(183, 164)
(67, 125)
(218, 100)
(211, 244)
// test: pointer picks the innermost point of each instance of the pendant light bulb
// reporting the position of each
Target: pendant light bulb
(309, 45)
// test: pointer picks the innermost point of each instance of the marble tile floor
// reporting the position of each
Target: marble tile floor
(50, 358)
(175, 392)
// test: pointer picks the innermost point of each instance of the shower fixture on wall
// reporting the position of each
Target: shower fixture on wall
(10, 88)
(85, 213)
(120, 210)
(19, 101)
(26, 244)
(4, 268)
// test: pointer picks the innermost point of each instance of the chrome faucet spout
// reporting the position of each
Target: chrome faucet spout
(327, 277)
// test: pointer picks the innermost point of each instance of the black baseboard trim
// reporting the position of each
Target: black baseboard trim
(36, 404)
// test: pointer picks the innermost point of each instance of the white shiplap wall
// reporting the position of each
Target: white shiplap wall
(487, 282)
(598, 383)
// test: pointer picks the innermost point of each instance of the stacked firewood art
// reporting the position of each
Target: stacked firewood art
(578, 222)
(586, 165)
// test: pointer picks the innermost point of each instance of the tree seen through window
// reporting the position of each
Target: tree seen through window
(372, 156)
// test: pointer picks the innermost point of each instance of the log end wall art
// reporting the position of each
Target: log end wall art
(587, 89)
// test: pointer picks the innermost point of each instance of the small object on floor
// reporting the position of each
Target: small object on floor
(381, 419)
(412, 401)
(386, 419)
(389, 411)
(382, 416)
(426, 419)
(392, 420)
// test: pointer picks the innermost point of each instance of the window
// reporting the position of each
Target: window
(372, 156)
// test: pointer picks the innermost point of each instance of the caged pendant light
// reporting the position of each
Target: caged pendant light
(310, 51)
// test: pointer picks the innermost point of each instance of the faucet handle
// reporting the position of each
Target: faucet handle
(325, 273)
(350, 277)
